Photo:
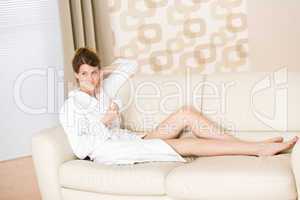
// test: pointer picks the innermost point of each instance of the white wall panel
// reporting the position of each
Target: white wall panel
(31, 72)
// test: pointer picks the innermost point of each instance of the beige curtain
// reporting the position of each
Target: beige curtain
(84, 23)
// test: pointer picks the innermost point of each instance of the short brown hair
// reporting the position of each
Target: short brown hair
(85, 55)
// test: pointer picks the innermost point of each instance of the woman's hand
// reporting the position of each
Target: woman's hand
(111, 114)
(87, 86)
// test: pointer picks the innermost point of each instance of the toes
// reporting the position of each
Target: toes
(293, 141)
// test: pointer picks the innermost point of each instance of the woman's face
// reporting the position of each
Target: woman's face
(88, 77)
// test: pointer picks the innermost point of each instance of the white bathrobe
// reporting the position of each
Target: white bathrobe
(81, 115)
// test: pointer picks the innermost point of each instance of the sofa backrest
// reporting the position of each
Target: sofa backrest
(149, 99)
(252, 101)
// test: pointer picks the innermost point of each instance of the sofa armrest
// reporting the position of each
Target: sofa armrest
(295, 162)
(50, 148)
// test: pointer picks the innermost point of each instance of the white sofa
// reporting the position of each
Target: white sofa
(247, 108)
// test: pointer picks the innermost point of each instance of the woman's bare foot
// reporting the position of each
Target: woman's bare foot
(270, 149)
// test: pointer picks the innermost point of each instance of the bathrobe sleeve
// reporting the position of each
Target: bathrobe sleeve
(118, 77)
(83, 128)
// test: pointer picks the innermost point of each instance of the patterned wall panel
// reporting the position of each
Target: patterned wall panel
(168, 36)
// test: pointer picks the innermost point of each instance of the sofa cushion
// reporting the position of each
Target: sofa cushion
(138, 179)
(70, 194)
(233, 178)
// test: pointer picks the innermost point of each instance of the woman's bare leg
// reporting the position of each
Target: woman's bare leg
(188, 117)
(171, 127)
(215, 147)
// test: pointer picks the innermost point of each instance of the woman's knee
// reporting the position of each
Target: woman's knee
(188, 109)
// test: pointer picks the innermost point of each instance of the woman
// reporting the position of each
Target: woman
(91, 119)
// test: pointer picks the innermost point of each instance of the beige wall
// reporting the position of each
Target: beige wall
(273, 31)
(274, 34)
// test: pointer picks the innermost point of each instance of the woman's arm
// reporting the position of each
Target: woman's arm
(126, 68)
(84, 131)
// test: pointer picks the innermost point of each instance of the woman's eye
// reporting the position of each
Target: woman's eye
(83, 73)
(94, 72)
